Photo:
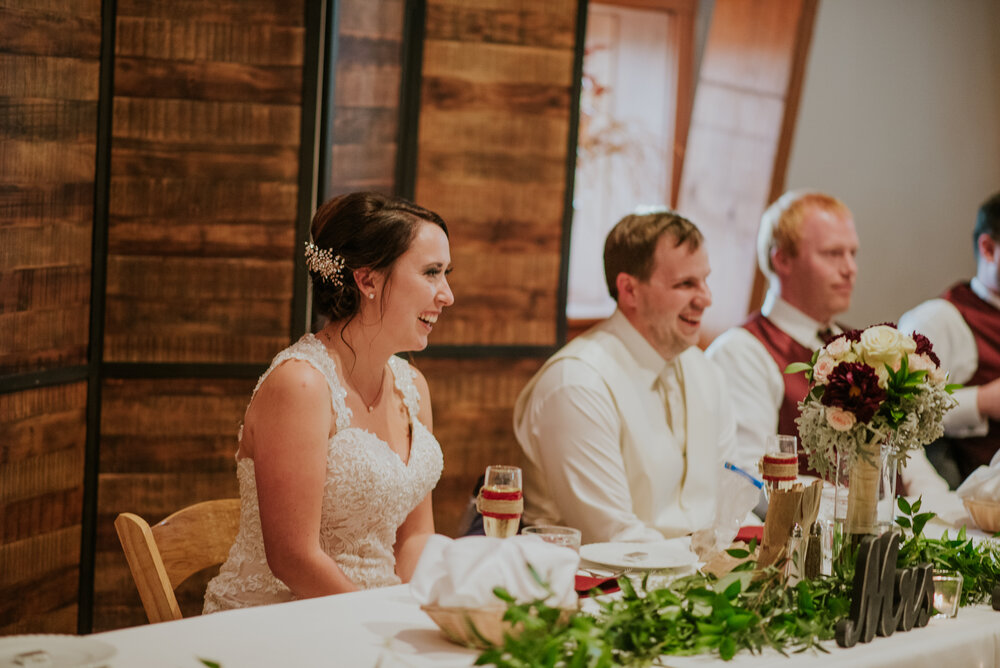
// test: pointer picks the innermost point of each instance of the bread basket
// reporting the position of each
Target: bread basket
(986, 514)
(474, 627)
(470, 627)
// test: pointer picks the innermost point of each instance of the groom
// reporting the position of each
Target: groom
(626, 429)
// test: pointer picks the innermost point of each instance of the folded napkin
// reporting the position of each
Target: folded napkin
(463, 572)
(982, 485)
(584, 583)
(748, 533)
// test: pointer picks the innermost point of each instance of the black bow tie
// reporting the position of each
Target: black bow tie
(825, 335)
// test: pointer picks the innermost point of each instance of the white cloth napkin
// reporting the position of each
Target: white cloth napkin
(463, 572)
(983, 484)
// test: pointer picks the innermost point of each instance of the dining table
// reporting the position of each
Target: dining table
(383, 628)
(386, 628)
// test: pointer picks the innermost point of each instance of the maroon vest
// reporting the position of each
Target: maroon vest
(984, 321)
(785, 350)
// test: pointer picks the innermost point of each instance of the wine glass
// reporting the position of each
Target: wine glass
(501, 501)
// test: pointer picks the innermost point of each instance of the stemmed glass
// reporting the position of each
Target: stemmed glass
(501, 501)
(780, 465)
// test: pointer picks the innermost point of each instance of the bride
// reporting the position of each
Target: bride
(336, 458)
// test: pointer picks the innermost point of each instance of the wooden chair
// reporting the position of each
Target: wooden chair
(161, 557)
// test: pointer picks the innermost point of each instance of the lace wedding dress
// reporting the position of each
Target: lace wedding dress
(368, 494)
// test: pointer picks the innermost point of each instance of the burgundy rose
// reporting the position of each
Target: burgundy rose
(924, 347)
(854, 387)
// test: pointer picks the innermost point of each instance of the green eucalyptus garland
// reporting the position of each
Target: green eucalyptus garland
(700, 613)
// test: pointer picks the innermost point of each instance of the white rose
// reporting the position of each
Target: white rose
(838, 347)
(883, 376)
(938, 376)
(840, 419)
(822, 369)
(883, 344)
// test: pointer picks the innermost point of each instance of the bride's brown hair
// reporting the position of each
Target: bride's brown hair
(368, 230)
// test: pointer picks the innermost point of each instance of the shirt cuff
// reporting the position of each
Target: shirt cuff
(964, 420)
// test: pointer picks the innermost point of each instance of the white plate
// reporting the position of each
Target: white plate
(54, 651)
(669, 553)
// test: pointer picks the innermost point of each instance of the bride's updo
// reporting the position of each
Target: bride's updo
(353, 231)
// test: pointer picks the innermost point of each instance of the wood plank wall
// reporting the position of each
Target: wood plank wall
(49, 73)
(492, 149)
(204, 188)
(368, 73)
(741, 129)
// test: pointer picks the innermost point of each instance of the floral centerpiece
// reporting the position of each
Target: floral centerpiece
(870, 389)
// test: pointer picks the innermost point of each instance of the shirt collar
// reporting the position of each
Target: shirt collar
(644, 353)
(985, 293)
(794, 322)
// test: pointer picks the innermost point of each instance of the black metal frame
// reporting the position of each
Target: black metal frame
(571, 148)
(313, 163)
(18, 382)
(98, 292)
(414, 19)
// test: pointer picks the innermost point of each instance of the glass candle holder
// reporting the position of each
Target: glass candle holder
(947, 593)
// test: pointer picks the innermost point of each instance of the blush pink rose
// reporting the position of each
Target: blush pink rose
(840, 419)
(838, 346)
(821, 370)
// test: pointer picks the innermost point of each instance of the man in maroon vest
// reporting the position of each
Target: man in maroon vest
(806, 247)
(964, 327)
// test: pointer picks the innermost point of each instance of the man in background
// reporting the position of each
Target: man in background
(963, 325)
(806, 247)
(626, 429)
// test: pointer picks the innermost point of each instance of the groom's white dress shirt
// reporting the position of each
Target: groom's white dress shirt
(602, 457)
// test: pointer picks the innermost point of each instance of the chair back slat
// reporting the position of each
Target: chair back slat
(197, 537)
(163, 556)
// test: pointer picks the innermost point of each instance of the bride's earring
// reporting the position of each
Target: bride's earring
(371, 295)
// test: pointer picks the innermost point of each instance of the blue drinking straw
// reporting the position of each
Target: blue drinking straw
(759, 484)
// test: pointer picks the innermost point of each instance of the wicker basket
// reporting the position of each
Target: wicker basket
(474, 627)
(470, 627)
(986, 514)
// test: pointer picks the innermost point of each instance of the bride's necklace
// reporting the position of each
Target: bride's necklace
(378, 395)
(370, 405)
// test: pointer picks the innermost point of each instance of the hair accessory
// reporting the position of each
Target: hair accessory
(324, 263)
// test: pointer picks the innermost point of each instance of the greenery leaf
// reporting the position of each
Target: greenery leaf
(798, 367)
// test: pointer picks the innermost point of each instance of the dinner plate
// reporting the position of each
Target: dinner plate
(54, 651)
(669, 553)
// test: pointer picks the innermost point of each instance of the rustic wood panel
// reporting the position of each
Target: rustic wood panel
(495, 109)
(473, 411)
(49, 67)
(165, 444)
(42, 438)
(204, 168)
(741, 129)
(48, 110)
(368, 74)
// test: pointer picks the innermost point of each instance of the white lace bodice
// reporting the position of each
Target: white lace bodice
(369, 492)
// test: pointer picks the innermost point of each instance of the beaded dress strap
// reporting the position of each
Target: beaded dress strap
(403, 374)
(310, 349)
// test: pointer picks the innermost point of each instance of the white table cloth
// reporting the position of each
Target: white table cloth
(386, 628)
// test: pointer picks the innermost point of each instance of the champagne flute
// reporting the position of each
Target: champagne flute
(780, 464)
(501, 501)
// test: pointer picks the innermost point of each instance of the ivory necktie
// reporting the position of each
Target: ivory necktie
(670, 385)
